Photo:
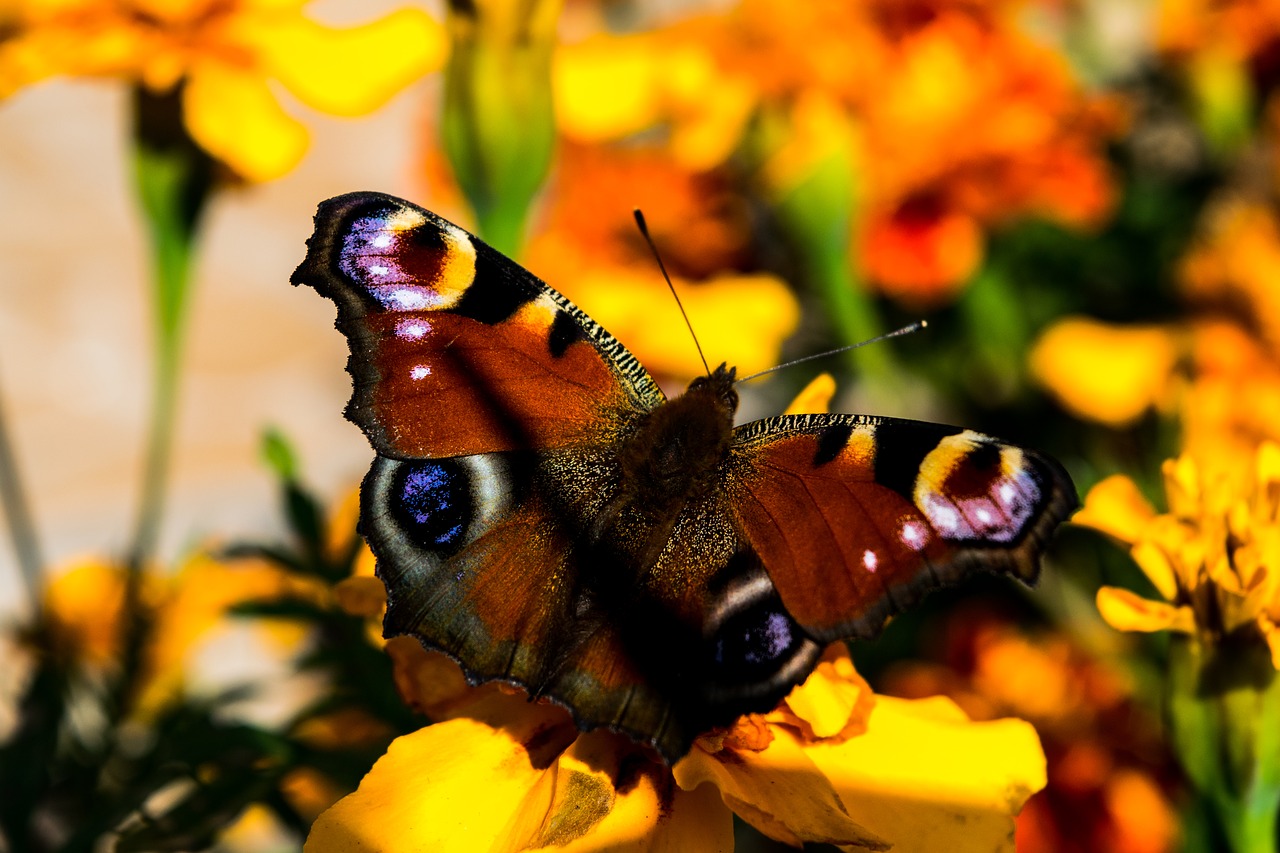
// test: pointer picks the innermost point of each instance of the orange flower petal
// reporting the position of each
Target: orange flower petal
(777, 790)
(1126, 611)
(1159, 569)
(815, 397)
(926, 778)
(361, 596)
(1117, 508)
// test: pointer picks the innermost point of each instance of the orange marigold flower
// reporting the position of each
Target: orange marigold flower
(960, 115)
(225, 57)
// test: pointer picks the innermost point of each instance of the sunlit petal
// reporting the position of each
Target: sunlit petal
(925, 778)
(351, 71)
(1126, 611)
(778, 790)
(1116, 507)
(459, 785)
(234, 116)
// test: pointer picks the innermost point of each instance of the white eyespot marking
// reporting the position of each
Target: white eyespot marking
(378, 269)
(870, 561)
(420, 371)
(944, 516)
(1007, 492)
(407, 299)
(381, 241)
(913, 535)
(984, 515)
(412, 330)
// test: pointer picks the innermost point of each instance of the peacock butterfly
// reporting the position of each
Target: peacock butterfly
(542, 513)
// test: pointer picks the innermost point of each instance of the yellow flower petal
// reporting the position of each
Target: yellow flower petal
(926, 779)
(1272, 635)
(739, 319)
(607, 87)
(234, 116)
(1126, 611)
(461, 785)
(833, 701)
(815, 397)
(1155, 564)
(1110, 374)
(84, 603)
(1117, 508)
(778, 790)
(351, 71)
(649, 813)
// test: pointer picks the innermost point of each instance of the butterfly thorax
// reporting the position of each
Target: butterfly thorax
(674, 454)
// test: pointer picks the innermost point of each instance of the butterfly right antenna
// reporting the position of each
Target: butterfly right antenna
(644, 231)
(905, 330)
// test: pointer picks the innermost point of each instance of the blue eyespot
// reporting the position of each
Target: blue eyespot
(756, 639)
(432, 502)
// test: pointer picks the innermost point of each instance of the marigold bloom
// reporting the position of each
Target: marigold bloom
(833, 763)
(85, 605)
(1109, 777)
(225, 57)
(964, 121)
(1214, 557)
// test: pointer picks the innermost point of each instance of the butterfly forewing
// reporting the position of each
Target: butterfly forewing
(454, 348)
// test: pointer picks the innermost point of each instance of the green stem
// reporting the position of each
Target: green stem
(174, 180)
(853, 317)
(21, 529)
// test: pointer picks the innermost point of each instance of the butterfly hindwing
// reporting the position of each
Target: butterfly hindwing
(455, 349)
(857, 517)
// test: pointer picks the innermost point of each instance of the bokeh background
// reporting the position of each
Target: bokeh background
(1079, 196)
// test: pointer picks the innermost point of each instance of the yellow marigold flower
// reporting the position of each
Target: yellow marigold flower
(1236, 259)
(85, 605)
(1106, 373)
(225, 57)
(1214, 557)
(833, 763)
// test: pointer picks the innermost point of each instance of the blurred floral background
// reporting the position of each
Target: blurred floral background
(1082, 198)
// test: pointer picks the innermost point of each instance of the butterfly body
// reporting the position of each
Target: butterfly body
(541, 512)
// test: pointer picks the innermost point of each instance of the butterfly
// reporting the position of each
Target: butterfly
(542, 513)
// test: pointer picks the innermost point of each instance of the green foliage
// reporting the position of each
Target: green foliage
(82, 765)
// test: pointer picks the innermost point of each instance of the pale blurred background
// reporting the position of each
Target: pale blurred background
(75, 332)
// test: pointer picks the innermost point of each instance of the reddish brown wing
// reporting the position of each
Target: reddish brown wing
(454, 348)
(856, 518)
(497, 408)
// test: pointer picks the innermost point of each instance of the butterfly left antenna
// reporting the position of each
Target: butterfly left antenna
(644, 231)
